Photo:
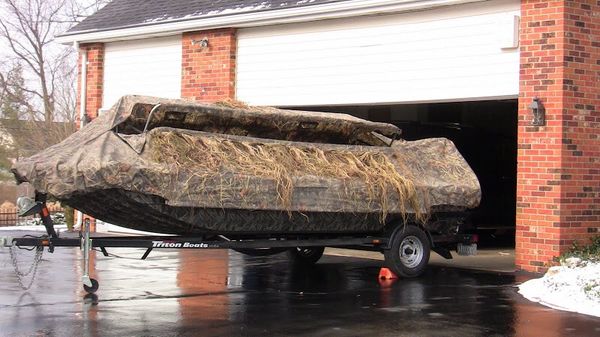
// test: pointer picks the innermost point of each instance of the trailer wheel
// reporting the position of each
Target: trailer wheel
(93, 288)
(305, 255)
(409, 252)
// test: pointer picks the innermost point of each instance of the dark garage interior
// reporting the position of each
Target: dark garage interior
(485, 132)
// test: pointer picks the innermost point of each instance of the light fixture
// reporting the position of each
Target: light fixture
(203, 43)
(538, 111)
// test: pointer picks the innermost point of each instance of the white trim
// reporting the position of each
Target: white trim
(83, 89)
(449, 100)
(269, 17)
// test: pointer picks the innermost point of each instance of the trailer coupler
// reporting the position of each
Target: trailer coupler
(6, 241)
(28, 206)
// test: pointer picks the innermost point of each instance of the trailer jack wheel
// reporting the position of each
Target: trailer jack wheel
(409, 251)
(305, 255)
(91, 289)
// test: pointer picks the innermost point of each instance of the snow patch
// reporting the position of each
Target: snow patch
(262, 5)
(101, 227)
(105, 227)
(224, 11)
(33, 228)
(574, 286)
(227, 11)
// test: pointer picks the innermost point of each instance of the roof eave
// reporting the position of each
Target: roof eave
(261, 18)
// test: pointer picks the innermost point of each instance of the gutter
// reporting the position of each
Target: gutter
(334, 10)
(83, 89)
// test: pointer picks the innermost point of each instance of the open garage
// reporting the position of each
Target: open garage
(485, 132)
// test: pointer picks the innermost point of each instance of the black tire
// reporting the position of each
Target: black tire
(93, 288)
(260, 251)
(409, 252)
(305, 255)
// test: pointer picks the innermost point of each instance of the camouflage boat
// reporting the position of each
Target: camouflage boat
(188, 168)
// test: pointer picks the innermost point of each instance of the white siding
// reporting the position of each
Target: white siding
(144, 67)
(455, 53)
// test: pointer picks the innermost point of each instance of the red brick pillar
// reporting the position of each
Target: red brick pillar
(94, 78)
(208, 73)
(558, 178)
(580, 218)
(94, 87)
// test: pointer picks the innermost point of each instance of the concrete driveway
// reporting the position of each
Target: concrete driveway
(223, 293)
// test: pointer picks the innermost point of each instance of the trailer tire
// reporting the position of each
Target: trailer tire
(305, 255)
(409, 251)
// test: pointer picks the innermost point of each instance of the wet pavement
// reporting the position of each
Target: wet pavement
(224, 293)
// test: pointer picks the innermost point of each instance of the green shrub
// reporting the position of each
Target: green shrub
(589, 252)
(69, 217)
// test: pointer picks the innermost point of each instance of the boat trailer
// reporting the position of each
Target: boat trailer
(87, 243)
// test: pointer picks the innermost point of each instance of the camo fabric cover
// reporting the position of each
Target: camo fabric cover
(107, 170)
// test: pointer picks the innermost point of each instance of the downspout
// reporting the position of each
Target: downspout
(82, 106)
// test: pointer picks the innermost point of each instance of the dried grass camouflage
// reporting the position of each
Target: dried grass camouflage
(230, 168)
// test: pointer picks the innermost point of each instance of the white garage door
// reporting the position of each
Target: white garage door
(465, 52)
(144, 67)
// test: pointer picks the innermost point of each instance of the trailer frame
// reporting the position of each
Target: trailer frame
(277, 243)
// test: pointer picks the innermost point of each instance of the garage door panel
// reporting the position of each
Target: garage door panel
(346, 92)
(383, 72)
(142, 67)
(357, 39)
(447, 54)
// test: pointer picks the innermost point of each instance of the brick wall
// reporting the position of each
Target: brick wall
(208, 74)
(94, 78)
(581, 122)
(558, 178)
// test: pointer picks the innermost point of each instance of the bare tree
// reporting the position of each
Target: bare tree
(76, 11)
(37, 76)
(21, 135)
(29, 28)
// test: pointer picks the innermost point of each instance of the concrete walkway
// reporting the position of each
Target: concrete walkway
(496, 259)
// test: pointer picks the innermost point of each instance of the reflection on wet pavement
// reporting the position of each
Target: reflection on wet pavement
(223, 293)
